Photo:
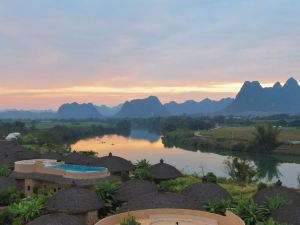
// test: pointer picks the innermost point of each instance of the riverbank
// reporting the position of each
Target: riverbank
(230, 139)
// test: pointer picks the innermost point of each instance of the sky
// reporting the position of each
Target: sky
(109, 51)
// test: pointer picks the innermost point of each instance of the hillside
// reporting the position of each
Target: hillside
(78, 111)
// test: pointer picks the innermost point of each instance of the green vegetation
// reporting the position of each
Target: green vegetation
(142, 170)
(241, 171)
(210, 177)
(4, 171)
(178, 184)
(266, 138)
(9, 196)
(218, 206)
(129, 220)
(106, 190)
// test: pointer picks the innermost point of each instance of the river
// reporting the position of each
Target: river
(143, 144)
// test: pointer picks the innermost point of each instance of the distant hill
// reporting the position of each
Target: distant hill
(109, 111)
(143, 108)
(190, 107)
(26, 114)
(78, 111)
(253, 99)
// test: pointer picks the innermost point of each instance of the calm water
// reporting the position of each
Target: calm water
(142, 144)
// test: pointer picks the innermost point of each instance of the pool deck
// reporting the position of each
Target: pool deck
(43, 166)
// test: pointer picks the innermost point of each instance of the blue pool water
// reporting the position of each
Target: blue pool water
(79, 169)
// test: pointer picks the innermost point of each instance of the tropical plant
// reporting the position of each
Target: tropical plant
(241, 170)
(27, 209)
(273, 203)
(266, 137)
(129, 220)
(142, 170)
(210, 177)
(178, 184)
(250, 212)
(218, 206)
(261, 186)
(9, 196)
(270, 221)
(4, 171)
(106, 191)
(6, 218)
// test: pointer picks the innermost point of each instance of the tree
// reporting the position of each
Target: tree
(241, 170)
(266, 137)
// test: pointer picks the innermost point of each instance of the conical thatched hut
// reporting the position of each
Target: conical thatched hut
(160, 200)
(76, 201)
(288, 214)
(133, 188)
(8, 153)
(205, 192)
(57, 219)
(75, 158)
(26, 155)
(115, 164)
(52, 155)
(288, 194)
(164, 171)
(6, 182)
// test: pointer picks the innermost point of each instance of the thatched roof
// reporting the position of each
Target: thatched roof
(8, 152)
(287, 193)
(57, 219)
(205, 192)
(289, 214)
(60, 179)
(134, 188)
(51, 155)
(160, 200)
(74, 201)
(164, 171)
(75, 158)
(6, 182)
(114, 164)
(26, 154)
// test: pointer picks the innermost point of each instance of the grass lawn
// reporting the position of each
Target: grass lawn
(246, 133)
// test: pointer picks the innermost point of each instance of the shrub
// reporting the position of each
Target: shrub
(273, 203)
(261, 186)
(218, 206)
(178, 184)
(270, 221)
(9, 196)
(210, 177)
(250, 212)
(142, 170)
(6, 218)
(27, 210)
(130, 220)
(4, 171)
(106, 191)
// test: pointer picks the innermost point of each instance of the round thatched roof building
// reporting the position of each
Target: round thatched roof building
(114, 164)
(27, 154)
(75, 158)
(74, 201)
(288, 214)
(56, 219)
(160, 200)
(52, 155)
(205, 192)
(6, 182)
(134, 188)
(287, 193)
(164, 171)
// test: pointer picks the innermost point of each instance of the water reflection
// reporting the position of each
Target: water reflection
(142, 144)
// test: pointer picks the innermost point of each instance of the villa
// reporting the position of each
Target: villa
(36, 173)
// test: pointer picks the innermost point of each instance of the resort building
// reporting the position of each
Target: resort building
(165, 216)
(82, 203)
(163, 171)
(36, 173)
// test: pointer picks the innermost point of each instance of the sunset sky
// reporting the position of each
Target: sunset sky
(109, 51)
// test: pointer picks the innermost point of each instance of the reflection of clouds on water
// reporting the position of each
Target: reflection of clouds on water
(143, 144)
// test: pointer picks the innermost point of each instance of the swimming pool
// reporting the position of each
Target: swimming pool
(78, 169)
